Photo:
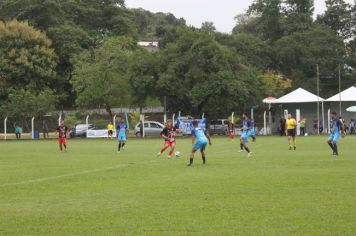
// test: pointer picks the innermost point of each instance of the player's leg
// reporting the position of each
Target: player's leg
(191, 158)
(202, 151)
(294, 143)
(330, 143)
(65, 145)
(241, 144)
(166, 145)
(244, 143)
(173, 145)
(123, 144)
(60, 144)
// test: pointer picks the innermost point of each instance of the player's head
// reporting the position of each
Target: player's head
(290, 116)
(110, 122)
(195, 124)
(169, 123)
(245, 115)
(333, 115)
(62, 123)
(120, 119)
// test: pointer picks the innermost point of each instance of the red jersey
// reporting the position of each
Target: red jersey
(62, 131)
(169, 133)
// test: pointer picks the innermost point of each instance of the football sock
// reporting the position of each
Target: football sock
(335, 148)
(247, 149)
(203, 157)
(332, 146)
(123, 144)
(241, 146)
(119, 148)
(191, 161)
(171, 152)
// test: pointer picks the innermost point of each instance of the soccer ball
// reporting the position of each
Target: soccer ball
(177, 154)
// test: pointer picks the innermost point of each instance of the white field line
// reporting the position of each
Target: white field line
(24, 182)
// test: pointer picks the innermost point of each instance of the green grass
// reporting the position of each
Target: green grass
(92, 190)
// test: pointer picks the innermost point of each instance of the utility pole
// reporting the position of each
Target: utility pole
(340, 105)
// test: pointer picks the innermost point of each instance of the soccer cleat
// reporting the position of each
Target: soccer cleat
(118, 151)
(249, 154)
(190, 164)
(241, 150)
(159, 154)
(169, 157)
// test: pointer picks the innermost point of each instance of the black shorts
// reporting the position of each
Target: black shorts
(291, 132)
(110, 132)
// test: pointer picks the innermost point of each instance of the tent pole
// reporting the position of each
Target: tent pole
(318, 94)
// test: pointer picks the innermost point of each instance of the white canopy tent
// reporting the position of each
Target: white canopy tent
(348, 95)
(300, 96)
(346, 98)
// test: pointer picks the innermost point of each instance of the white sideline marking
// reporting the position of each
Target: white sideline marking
(71, 175)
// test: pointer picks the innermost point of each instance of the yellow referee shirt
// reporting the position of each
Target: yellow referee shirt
(110, 127)
(291, 123)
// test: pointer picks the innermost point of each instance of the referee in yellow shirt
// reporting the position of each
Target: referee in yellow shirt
(110, 129)
(291, 131)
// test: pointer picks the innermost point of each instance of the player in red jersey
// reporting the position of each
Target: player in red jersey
(62, 131)
(168, 134)
(231, 127)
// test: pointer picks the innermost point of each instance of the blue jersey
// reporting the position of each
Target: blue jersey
(246, 125)
(336, 126)
(121, 128)
(200, 135)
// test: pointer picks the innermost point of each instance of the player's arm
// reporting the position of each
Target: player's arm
(164, 134)
(207, 134)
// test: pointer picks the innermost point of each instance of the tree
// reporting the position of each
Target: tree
(208, 26)
(251, 48)
(24, 103)
(269, 18)
(100, 76)
(299, 15)
(246, 24)
(298, 54)
(26, 58)
(143, 75)
(200, 75)
(339, 18)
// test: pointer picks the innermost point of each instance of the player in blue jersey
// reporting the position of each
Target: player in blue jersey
(336, 132)
(121, 130)
(200, 138)
(253, 130)
(245, 133)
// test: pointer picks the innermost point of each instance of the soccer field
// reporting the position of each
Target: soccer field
(92, 190)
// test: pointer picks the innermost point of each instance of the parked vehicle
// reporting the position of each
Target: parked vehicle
(80, 130)
(219, 127)
(152, 128)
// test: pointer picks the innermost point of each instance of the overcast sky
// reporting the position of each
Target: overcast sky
(195, 12)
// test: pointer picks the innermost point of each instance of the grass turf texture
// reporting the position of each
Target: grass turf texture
(92, 190)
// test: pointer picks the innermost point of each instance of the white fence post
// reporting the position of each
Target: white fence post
(329, 126)
(143, 125)
(297, 116)
(114, 121)
(5, 128)
(87, 125)
(323, 118)
(203, 116)
(265, 122)
(59, 119)
(33, 127)
(173, 117)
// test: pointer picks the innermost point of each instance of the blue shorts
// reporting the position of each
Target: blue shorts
(122, 137)
(253, 132)
(245, 135)
(334, 138)
(199, 146)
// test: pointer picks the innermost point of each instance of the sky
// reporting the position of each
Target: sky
(222, 12)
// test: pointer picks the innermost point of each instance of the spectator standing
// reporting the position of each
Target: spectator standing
(282, 126)
(302, 123)
(18, 132)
